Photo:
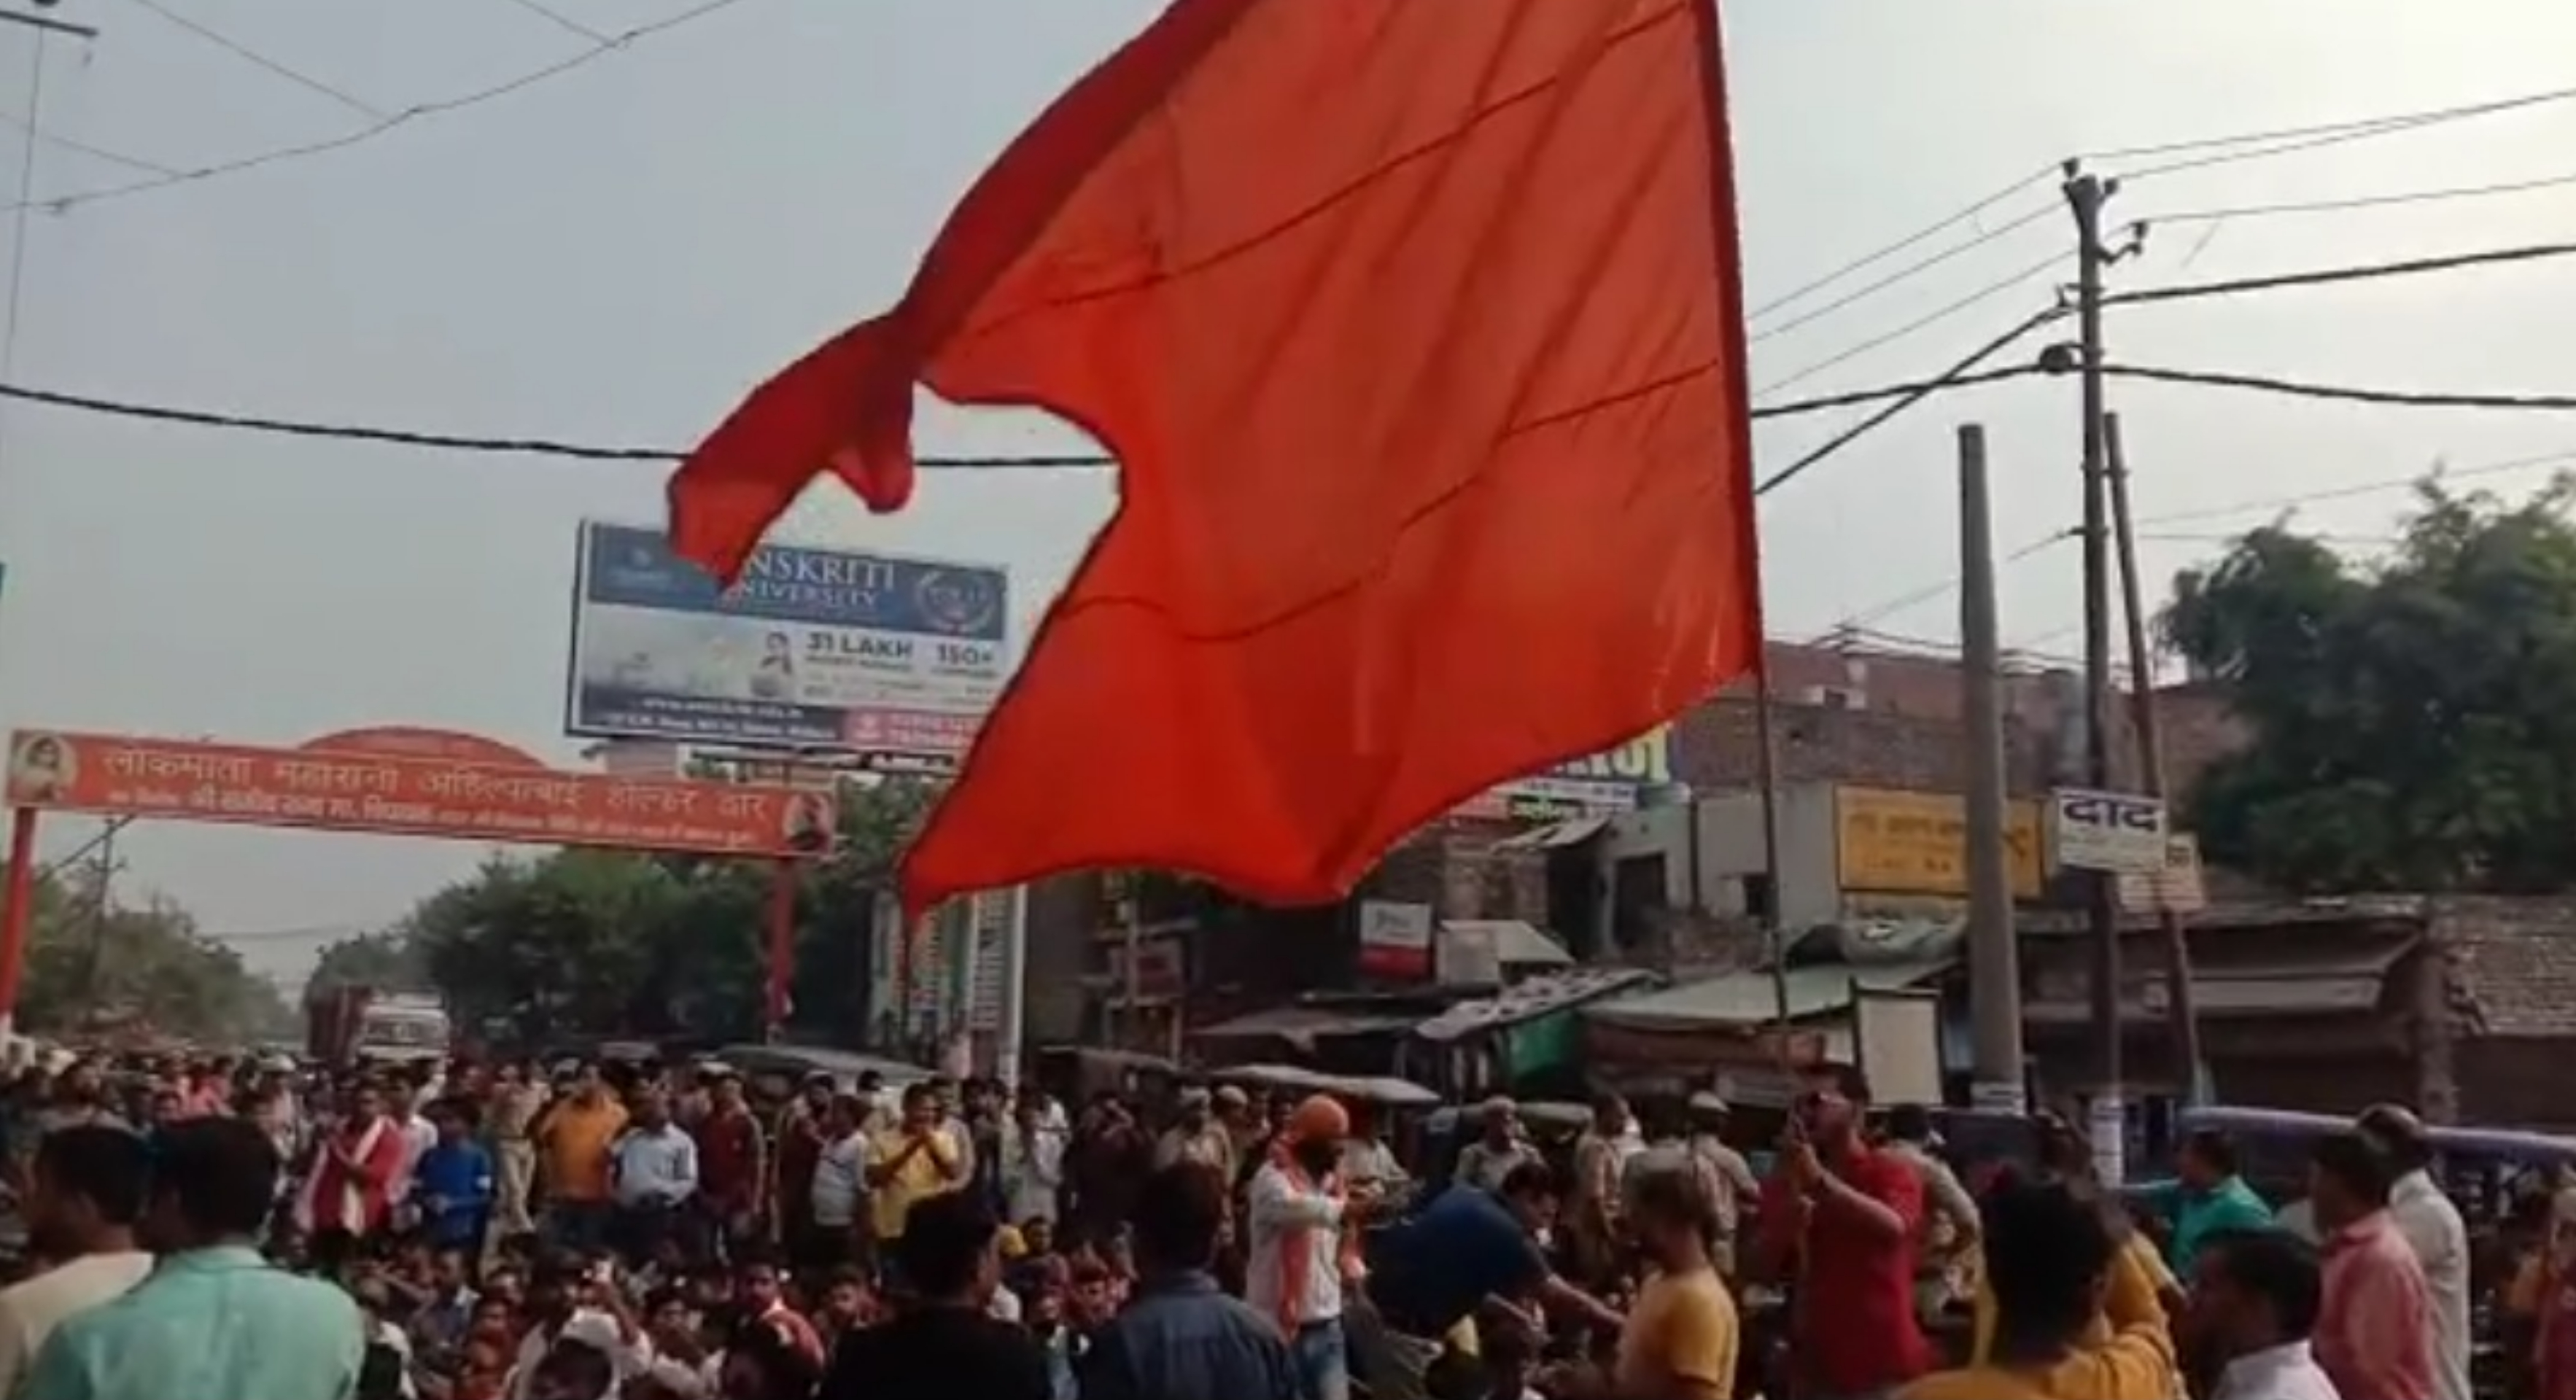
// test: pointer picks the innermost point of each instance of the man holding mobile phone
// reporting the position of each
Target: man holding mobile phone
(1841, 1218)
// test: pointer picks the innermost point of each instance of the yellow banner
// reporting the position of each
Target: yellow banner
(1892, 842)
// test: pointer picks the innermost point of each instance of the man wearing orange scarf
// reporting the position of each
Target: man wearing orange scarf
(1305, 1247)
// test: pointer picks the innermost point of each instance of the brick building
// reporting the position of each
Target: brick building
(1842, 714)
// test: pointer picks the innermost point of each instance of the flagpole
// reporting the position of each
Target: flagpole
(1766, 772)
(1739, 502)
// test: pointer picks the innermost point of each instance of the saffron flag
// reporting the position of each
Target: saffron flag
(1416, 330)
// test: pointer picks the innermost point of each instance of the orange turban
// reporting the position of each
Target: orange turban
(1319, 1119)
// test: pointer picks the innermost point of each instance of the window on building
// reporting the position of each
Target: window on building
(1638, 892)
(1761, 899)
(1574, 901)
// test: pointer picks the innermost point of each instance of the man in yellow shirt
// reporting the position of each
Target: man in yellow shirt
(2049, 1261)
(910, 1163)
(1681, 1337)
(573, 1143)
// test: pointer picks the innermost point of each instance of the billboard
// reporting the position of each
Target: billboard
(813, 649)
(406, 794)
(1589, 786)
(1890, 842)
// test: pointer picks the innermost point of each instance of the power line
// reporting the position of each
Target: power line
(2231, 537)
(1904, 396)
(312, 933)
(1912, 269)
(1895, 398)
(2320, 277)
(1944, 313)
(2362, 488)
(2365, 201)
(1861, 619)
(451, 442)
(2342, 393)
(591, 452)
(2362, 126)
(2267, 144)
(1867, 260)
(61, 142)
(2290, 141)
(1930, 591)
(262, 61)
(563, 21)
(61, 203)
(10, 301)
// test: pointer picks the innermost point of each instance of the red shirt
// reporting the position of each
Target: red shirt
(1854, 1330)
(793, 1329)
(800, 1147)
(2374, 1335)
(729, 1166)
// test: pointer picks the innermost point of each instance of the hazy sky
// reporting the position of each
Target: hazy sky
(614, 253)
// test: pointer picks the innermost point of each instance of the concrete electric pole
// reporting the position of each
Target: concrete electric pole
(2107, 1120)
(1994, 963)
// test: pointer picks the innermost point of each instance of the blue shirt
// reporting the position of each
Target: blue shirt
(210, 1324)
(1432, 1271)
(458, 1176)
(1182, 1338)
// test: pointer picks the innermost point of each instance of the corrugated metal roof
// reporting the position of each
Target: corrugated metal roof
(1539, 996)
(2313, 981)
(1302, 1024)
(1750, 998)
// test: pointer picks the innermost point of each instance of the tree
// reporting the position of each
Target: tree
(2415, 719)
(95, 965)
(599, 942)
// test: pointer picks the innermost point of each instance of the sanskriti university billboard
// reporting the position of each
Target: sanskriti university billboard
(812, 649)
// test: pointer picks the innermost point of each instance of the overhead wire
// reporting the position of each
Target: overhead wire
(2343, 393)
(2438, 472)
(1915, 597)
(1930, 318)
(82, 148)
(1892, 398)
(2328, 276)
(562, 21)
(1902, 397)
(1860, 619)
(1908, 271)
(11, 300)
(451, 442)
(2226, 149)
(2389, 200)
(2405, 121)
(395, 121)
(2292, 140)
(1872, 259)
(594, 452)
(262, 61)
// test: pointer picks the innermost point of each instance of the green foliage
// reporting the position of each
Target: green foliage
(586, 942)
(2414, 719)
(96, 965)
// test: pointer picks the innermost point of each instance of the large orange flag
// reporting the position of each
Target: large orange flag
(1416, 330)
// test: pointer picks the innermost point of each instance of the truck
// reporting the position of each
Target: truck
(347, 1024)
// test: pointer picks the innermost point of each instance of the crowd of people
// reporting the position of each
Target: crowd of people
(249, 1231)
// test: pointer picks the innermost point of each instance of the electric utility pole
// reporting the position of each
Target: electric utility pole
(2085, 196)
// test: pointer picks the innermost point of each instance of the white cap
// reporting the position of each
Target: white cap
(593, 1328)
